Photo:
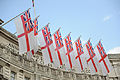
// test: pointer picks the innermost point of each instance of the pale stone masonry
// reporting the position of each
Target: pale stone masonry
(14, 66)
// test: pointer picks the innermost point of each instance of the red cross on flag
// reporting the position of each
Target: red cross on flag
(47, 47)
(25, 33)
(103, 59)
(60, 50)
(35, 23)
(69, 52)
(91, 58)
(81, 63)
(35, 29)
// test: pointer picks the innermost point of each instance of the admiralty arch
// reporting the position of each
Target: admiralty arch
(18, 67)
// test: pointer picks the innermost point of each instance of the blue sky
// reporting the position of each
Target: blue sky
(95, 19)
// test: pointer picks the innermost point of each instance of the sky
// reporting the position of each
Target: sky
(94, 19)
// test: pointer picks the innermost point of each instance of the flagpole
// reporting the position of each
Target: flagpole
(36, 17)
(56, 31)
(97, 43)
(34, 10)
(86, 42)
(43, 27)
(66, 35)
(77, 39)
(14, 18)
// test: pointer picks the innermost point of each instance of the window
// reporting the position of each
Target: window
(26, 78)
(13, 75)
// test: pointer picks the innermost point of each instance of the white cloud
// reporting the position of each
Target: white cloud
(106, 18)
(114, 51)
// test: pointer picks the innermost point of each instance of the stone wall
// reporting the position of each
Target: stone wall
(34, 68)
(10, 60)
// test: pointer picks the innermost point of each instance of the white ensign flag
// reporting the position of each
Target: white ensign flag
(103, 59)
(91, 58)
(47, 47)
(69, 53)
(25, 32)
(35, 29)
(59, 48)
(81, 63)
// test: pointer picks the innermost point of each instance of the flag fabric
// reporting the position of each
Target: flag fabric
(69, 52)
(81, 63)
(47, 47)
(91, 58)
(25, 33)
(59, 48)
(33, 3)
(35, 23)
(35, 29)
(103, 59)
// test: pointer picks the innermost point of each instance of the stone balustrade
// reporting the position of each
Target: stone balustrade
(10, 54)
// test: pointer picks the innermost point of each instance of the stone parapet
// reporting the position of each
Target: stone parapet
(12, 58)
(34, 68)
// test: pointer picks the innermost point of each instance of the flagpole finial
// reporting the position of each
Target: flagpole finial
(56, 30)
(37, 17)
(29, 8)
(100, 39)
(67, 35)
(87, 41)
(76, 39)
(89, 38)
(59, 28)
(44, 26)
(80, 36)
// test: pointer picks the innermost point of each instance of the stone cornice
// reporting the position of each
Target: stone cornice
(114, 56)
(9, 36)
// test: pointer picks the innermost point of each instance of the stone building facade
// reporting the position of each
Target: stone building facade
(14, 66)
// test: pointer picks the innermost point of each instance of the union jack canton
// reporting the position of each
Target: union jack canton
(27, 21)
(35, 27)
